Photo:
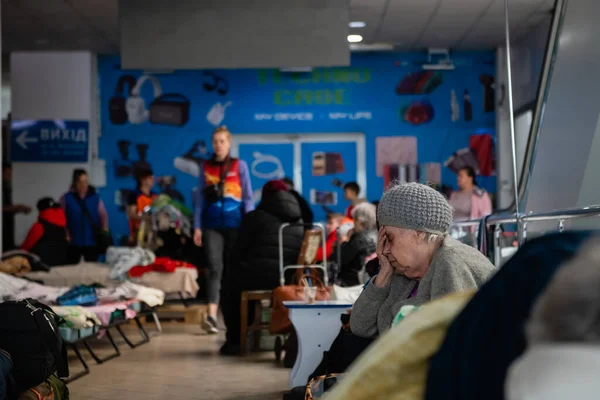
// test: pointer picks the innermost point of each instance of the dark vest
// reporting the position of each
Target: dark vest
(52, 246)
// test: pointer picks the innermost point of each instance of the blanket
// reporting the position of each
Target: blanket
(122, 259)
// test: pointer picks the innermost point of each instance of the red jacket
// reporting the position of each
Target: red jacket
(54, 216)
(331, 240)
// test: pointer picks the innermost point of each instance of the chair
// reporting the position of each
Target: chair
(257, 325)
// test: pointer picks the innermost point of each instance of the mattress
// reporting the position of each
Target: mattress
(183, 280)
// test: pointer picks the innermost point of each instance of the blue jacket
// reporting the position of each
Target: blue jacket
(81, 230)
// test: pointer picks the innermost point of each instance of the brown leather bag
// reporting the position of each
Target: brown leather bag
(280, 319)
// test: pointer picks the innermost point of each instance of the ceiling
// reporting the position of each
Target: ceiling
(408, 24)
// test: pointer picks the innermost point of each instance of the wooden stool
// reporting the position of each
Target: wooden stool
(257, 324)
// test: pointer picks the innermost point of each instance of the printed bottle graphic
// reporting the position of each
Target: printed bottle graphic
(454, 107)
(217, 113)
(468, 106)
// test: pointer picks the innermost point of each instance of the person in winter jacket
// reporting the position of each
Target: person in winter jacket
(256, 262)
(86, 214)
(361, 245)
(307, 214)
(563, 351)
(48, 236)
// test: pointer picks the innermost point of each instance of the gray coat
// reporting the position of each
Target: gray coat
(455, 267)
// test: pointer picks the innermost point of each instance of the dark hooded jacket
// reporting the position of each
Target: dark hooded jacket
(47, 238)
(353, 256)
(256, 260)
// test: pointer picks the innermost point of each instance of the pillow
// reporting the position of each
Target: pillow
(395, 366)
(34, 260)
(349, 294)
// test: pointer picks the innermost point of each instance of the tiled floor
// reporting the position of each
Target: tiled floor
(182, 363)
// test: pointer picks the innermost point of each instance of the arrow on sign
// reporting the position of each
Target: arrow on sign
(22, 140)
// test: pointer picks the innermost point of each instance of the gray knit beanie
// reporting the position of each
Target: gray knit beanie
(417, 207)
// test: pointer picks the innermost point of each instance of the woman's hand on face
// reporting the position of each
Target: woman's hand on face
(386, 270)
(381, 242)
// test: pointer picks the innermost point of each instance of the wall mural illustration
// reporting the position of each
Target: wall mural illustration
(164, 121)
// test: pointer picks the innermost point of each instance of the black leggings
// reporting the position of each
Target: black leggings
(89, 254)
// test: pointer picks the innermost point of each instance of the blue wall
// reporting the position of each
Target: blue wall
(361, 98)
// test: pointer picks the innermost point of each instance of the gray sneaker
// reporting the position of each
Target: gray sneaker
(209, 324)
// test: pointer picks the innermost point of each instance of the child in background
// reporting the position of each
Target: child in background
(334, 221)
(351, 193)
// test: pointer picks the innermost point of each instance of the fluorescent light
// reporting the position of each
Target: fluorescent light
(439, 67)
(296, 69)
(357, 24)
(355, 38)
(158, 71)
(371, 47)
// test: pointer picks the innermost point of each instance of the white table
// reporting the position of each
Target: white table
(317, 325)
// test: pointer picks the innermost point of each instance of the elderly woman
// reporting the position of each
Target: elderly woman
(419, 261)
(361, 245)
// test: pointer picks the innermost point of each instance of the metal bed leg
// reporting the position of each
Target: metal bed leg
(86, 369)
(186, 304)
(99, 360)
(143, 333)
(156, 321)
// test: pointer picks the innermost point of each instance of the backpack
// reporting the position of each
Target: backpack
(29, 333)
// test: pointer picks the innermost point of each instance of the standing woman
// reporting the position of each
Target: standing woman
(470, 201)
(224, 196)
(85, 214)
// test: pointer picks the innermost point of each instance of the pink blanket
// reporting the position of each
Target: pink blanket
(104, 311)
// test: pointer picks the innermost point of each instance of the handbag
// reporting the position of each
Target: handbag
(318, 385)
(280, 319)
(103, 239)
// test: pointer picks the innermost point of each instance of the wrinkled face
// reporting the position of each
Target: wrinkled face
(221, 144)
(407, 252)
(82, 184)
(464, 181)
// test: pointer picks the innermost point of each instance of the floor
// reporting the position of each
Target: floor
(181, 363)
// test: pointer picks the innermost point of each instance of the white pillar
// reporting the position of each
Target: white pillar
(1, 204)
(504, 169)
(50, 86)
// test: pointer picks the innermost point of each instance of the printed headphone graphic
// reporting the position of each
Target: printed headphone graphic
(116, 105)
(164, 109)
(218, 83)
(137, 112)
